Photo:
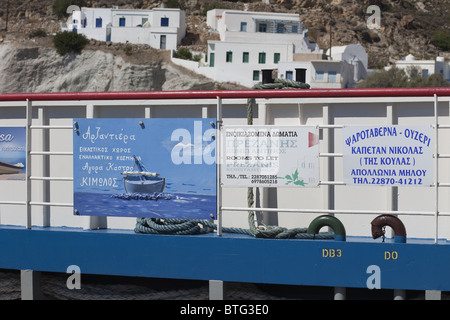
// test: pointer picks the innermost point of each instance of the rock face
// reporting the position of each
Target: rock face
(40, 69)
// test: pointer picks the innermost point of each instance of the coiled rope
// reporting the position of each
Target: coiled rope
(282, 84)
(191, 227)
(181, 226)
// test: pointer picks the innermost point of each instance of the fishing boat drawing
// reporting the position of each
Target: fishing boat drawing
(141, 180)
(6, 168)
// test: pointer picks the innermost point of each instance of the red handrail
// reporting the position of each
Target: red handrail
(229, 94)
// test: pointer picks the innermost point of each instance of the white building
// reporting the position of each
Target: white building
(259, 46)
(253, 44)
(161, 28)
(325, 74)
(348, 65)
(426, 67)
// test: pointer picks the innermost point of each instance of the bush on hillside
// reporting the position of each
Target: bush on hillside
(392, 78)
(67, 42)
(38, 33)
(398, 78)
(173, 4)
(441, 40)
(183, 53)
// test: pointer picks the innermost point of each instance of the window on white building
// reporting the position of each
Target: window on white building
(98, 22)
(294, 29)
(244, 26)
(280, 28)
(164, 22)
(245, 57)
(162, 42)
(262, 58)
(121, 22)
(229, 57)
(319, 75)
(332, 76)
(256, 75)
(262, 27)
(276, 57)
(289, 75)
(424, 73)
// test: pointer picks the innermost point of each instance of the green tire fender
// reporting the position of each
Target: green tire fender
(330, 221)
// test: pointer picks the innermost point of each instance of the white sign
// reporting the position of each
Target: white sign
(270, 156)
(388, 155)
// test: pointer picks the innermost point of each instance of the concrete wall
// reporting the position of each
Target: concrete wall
(330, 114)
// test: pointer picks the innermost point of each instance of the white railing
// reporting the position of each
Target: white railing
(49, 121)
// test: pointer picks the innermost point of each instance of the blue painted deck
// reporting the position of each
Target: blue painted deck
(418, 264)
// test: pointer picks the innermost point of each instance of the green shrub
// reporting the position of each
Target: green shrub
(67, 42)
(183, 53)
(197, 57)
(397, 78)
(38, 33)
(441, 40)
(128, 50)
(173, 4)
(392, 78)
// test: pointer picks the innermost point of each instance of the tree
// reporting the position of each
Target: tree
(437, 80)
(67, 42)
(397, 78)
(392, 78)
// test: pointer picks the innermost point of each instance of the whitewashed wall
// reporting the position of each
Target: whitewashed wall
(305, 111)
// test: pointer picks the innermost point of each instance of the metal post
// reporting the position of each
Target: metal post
(265, 197)
(30, 285)
(216, 290)
(392, 198)
(29, 117)
(94, 222)
(436, 168)
(218, 165)
(328, 138)
(433, 295)
(42, 116)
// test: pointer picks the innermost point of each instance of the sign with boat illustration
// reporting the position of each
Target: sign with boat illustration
(270, 156)
(12, 153)
(157, 168)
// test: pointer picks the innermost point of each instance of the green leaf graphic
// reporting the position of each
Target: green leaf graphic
(293, 179)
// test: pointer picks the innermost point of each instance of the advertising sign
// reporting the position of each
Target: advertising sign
(388, 155)
(270, 156)
(12, 153)
(158, 168)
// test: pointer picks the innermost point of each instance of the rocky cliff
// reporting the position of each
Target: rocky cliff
(34, 66)
(407, 26)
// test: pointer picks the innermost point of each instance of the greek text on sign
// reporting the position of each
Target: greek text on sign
(269, 156)
(388, 155)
